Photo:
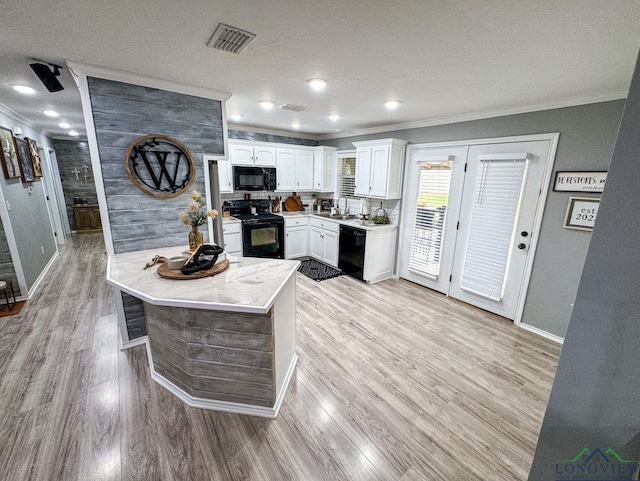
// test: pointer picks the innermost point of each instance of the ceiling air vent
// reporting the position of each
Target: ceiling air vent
(230, 39)
(293, 108)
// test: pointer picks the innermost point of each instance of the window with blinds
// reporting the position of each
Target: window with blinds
(430, 214)
(494, 214)
(346, 176)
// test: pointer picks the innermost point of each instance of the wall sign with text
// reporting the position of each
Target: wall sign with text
(160, 165)
(580, 181)
(581, 213)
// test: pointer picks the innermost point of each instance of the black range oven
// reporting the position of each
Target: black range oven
(262, 232)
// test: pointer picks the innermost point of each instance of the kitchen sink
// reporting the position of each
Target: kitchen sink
(336, 217)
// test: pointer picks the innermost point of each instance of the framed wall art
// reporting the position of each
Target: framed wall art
(9, 155)
(26, 167)
(581, 213)
(35, 157)
(580, 181)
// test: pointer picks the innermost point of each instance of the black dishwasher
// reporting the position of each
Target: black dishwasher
(352, 244)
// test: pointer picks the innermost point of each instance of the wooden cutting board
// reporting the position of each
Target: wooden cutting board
(293, 203)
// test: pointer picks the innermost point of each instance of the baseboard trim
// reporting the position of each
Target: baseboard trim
(225, 406)
(133, 343)
(540, 332)
(42, 275)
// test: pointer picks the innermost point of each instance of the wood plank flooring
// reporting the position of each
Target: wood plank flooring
(395, 382)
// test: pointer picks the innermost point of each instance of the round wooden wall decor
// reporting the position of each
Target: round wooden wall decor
(160, 165)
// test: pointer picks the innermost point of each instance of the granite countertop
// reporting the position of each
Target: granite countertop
(248, 285)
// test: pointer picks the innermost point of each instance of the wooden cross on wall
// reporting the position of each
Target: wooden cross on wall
(85, 175)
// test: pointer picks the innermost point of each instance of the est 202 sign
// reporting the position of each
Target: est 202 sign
(581, 213)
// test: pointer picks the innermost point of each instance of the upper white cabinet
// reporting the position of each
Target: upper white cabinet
(242, 152)
(324, 169)
(379, 168)
(294, 169)
(225, 177)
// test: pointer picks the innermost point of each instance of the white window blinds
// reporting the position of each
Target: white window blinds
(494, 214)
(430, 212)
(346, 176)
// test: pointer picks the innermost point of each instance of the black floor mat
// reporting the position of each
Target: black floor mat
(317, 270)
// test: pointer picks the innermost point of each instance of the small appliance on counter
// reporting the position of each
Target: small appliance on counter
(325, 205)
(262, 231)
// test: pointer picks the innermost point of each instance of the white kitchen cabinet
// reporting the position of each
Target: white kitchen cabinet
(323, 241)
(232, 232)
(379, 166)
(324, 169)
(379, 253)
(296, 237)
(294, 170)
(225, 177)
(251, 153)
(285, 169)
(304, 170)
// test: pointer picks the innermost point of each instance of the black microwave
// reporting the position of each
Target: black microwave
(254, 178)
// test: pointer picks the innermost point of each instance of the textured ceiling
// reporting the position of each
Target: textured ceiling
(442, 59)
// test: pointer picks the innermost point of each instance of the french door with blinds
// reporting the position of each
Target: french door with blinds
(469, 219)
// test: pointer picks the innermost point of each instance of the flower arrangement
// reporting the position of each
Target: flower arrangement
(195, 215)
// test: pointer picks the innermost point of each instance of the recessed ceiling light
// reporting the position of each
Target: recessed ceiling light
(23, 89)
(392, 104)
(317, 83)
(73, 133)
(51, 113)
(266, 104)
(235, 117)
(295, 125)
(334, 117)
(64, 125)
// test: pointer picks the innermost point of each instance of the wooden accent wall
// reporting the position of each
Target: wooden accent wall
(225, 356)
(123, 112)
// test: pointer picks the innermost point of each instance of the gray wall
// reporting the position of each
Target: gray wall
(28, 217)
(123, 112)
(587, 137)
(72, 155)
(594, 399)
(7, 270)
(259, 137)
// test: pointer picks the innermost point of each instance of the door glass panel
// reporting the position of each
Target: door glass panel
(496, 202)
(430, 215)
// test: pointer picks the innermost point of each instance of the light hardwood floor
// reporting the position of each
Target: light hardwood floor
(395, 382)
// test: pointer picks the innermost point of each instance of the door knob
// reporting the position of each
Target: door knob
(522, 246)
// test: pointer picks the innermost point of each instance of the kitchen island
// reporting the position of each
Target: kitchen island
(225, 342)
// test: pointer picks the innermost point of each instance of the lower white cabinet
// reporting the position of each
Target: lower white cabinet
(379, 254)
(232, 231)
(323, 241)
(295, 233)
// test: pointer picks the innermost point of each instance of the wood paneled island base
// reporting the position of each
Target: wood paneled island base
(225, 342)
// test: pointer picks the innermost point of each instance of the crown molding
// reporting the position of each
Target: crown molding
(262, 130)
(81, 69)
(485, 114)
(19, 118)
